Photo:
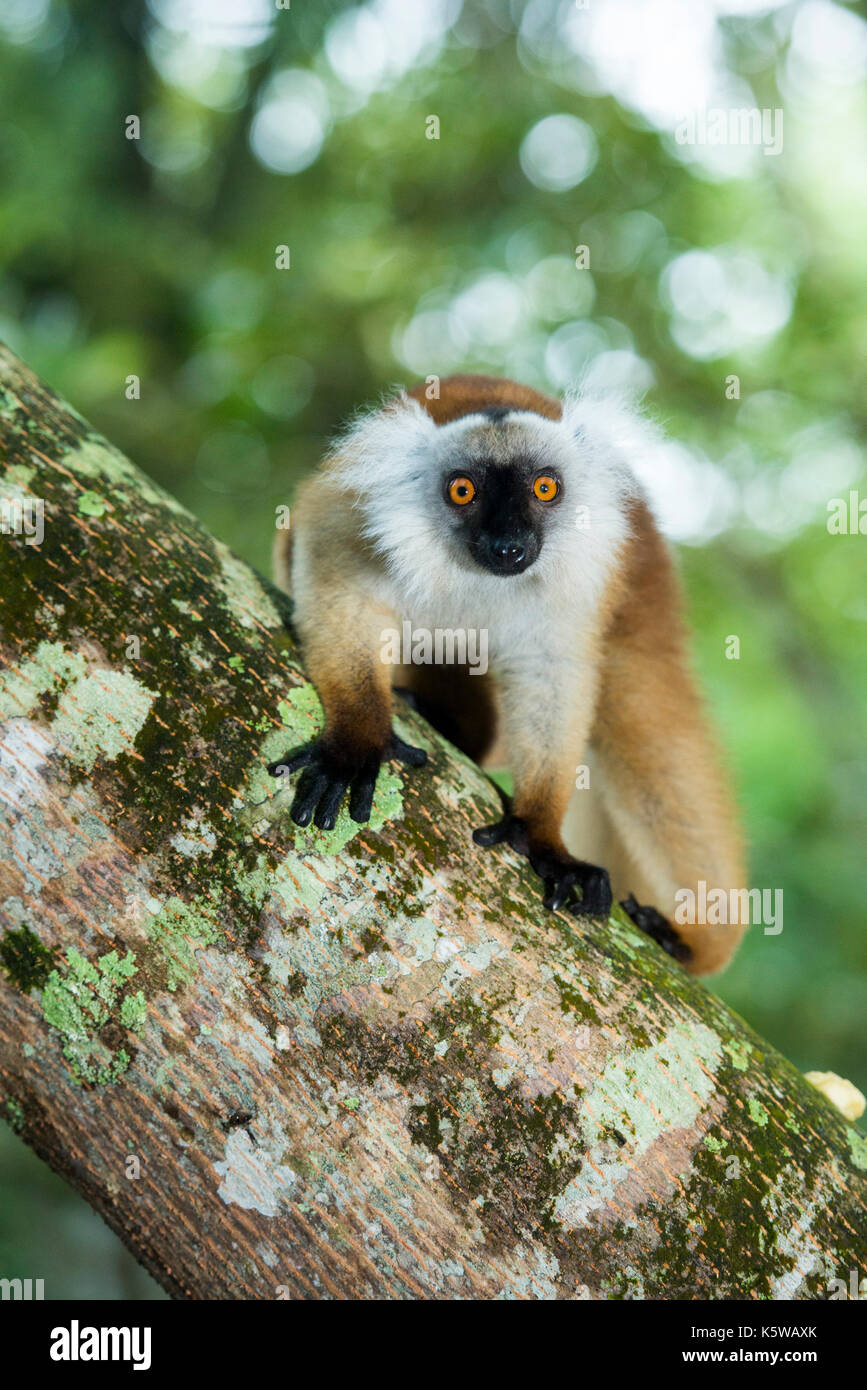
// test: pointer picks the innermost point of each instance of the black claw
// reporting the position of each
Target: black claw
(648, 920)
(596, 900)
(511, 830)
(311, 788)
(284, 767)
(488, 835)
(406, 752)
(329, 805)
(362, 789)
(558, 890)
(361, 798)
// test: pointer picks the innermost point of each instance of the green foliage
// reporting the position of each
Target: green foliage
(155, 258)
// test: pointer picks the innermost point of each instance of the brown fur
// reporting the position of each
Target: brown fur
(667, 817)
(466, 393)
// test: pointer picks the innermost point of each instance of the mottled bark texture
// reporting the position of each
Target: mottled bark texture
(356, 1064)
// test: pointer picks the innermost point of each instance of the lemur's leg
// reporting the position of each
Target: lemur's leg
(665, 798)
(545, 728)
(342, 643)
(589, 832)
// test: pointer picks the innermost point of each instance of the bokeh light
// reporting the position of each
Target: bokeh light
(291, 123)
(558, 153)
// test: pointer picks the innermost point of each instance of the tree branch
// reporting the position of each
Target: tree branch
(363, 1063)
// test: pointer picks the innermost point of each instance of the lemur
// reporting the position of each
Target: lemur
(493, 506)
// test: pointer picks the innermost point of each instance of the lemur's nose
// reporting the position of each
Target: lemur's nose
(508, 551)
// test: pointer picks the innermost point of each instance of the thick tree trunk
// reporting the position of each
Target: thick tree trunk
(356, 1064)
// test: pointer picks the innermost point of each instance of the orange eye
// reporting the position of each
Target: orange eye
(546, 488)
(462, 491)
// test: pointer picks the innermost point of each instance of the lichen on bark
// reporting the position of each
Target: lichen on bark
(358, 1063)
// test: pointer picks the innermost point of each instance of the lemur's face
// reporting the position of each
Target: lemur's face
(454, 509)
(501, 510)
(499, 498)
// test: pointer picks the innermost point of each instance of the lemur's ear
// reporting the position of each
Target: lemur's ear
(610, 426)
(380, 445)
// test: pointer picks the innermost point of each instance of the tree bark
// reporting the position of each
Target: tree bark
(357, 1064)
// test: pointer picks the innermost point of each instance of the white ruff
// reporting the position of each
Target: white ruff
(392, 462)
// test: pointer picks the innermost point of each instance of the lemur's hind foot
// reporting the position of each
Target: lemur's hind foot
(658, 927)
(563, 876)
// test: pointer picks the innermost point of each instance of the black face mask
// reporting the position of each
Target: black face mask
(501, 517)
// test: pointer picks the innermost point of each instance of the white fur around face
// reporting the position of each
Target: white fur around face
(393, 461)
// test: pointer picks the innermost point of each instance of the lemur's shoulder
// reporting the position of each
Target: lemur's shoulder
(468, 394)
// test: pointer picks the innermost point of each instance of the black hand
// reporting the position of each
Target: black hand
(329, 773)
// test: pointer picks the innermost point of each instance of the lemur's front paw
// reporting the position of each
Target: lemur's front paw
(562, 875)
(329, 773)
(657, 926)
